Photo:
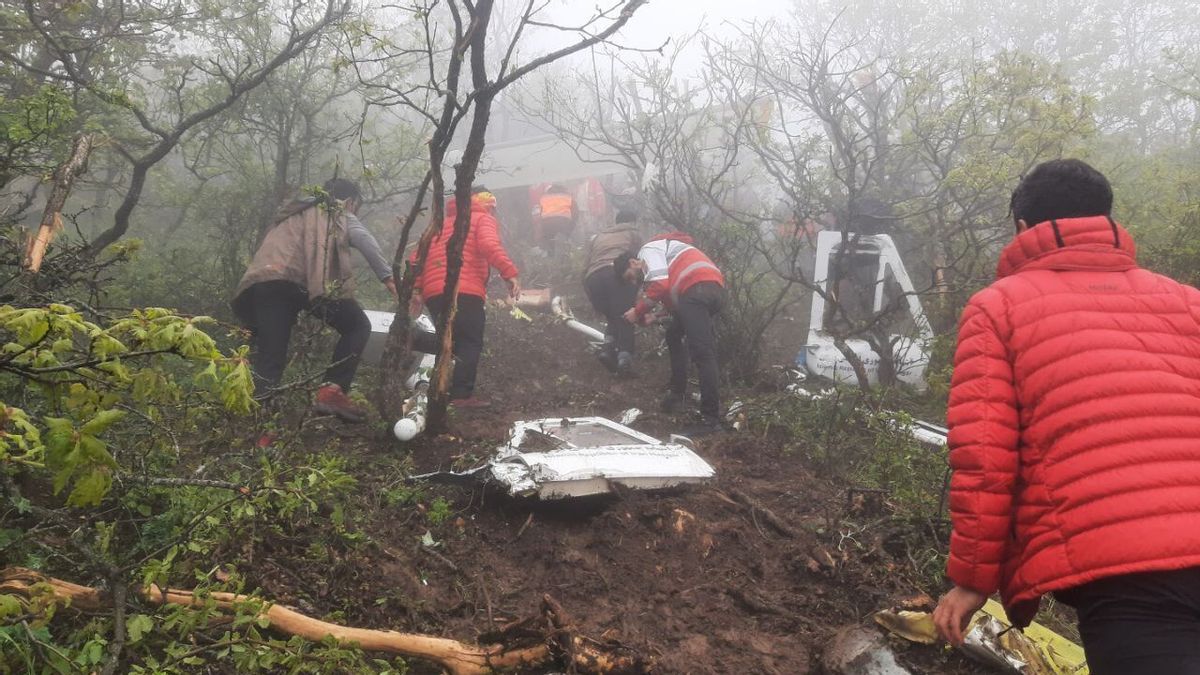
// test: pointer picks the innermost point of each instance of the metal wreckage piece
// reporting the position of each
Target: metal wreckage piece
(413, 421)
(992, 641)
(558, 458)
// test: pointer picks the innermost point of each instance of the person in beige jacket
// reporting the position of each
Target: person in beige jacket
(304, 264)
(607, 293)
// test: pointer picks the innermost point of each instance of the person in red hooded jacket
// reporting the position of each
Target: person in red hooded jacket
(482, 251)
(682, 279)
(1074, 439)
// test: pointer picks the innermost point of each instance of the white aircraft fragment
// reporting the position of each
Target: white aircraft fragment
(578, 456)
(822, 357)
(558, 458)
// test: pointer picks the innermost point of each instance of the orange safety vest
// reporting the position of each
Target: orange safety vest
(555, 205)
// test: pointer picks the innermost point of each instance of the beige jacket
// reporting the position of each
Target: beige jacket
(611, 241)
(310, 247)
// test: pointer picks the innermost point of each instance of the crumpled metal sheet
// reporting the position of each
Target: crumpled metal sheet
(556, 458)
(990, 640)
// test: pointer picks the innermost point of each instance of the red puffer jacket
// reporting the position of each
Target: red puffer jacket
(1074, 419)
(482, 251)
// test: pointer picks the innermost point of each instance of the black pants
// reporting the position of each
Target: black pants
(554, 232)
(275, 306)
(469, 322)
(612, 298)
(1140, 624)
(694, 318)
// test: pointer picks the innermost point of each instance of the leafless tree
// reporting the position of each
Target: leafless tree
(460, 84)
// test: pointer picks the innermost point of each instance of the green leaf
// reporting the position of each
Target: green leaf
(90, 489)
(137, 626)
(102, 421)
(9, 606)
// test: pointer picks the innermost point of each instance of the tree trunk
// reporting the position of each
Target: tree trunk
(464, 176)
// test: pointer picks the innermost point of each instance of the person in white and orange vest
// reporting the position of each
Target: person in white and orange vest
(554, 218)
(686, 283)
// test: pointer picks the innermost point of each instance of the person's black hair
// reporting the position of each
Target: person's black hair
(621, 263)
(1061, 188)
(342, 189)
(626, 216)
(557, 189)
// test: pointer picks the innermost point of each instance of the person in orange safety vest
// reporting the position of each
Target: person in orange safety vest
(554, 218)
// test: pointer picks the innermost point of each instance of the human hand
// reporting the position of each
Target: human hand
(954, 612)
(631, 315)
(390, 282)
(415, 304)
(514, 288)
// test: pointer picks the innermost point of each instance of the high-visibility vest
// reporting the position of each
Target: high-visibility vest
(556, 205)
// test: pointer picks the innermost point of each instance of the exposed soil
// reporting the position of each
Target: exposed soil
(691, 576)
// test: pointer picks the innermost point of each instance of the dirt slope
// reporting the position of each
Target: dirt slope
(691, 576)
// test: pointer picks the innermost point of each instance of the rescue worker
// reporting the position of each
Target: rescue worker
(554, 218)
(1075, 435)
(608, 293)
(686, 283)
(482, 251)
(304, 264)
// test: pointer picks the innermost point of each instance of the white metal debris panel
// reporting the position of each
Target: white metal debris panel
(381, 323)
(555, 458)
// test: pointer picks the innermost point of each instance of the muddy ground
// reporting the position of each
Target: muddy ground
(691, 577)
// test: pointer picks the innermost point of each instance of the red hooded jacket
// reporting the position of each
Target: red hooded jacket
(673, 266)
(1074, 419)
(482, 251)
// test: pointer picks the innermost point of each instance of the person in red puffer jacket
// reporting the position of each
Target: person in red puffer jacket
(482, 251)
(1074, 440)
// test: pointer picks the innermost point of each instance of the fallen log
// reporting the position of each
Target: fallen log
(458, 658)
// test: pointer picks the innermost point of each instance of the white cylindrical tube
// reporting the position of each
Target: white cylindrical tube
(413, 423)
(559, 307)
(586, 330)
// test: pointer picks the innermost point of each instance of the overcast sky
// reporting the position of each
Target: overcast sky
(660, 19)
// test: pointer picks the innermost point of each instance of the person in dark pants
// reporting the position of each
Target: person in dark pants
(304, 264)
(482, 251)
(681, 278)
(554, 218)
(694, 320)
(277, 305)
(1074, 435)
(469, 323)
(1140, 624)
(608, 293)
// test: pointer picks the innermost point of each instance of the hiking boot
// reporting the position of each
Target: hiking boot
(470, 402)
(625, 364)
(331, 400)
(673, 403)
(609, 359)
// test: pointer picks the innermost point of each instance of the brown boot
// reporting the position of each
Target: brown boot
(331, 400)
